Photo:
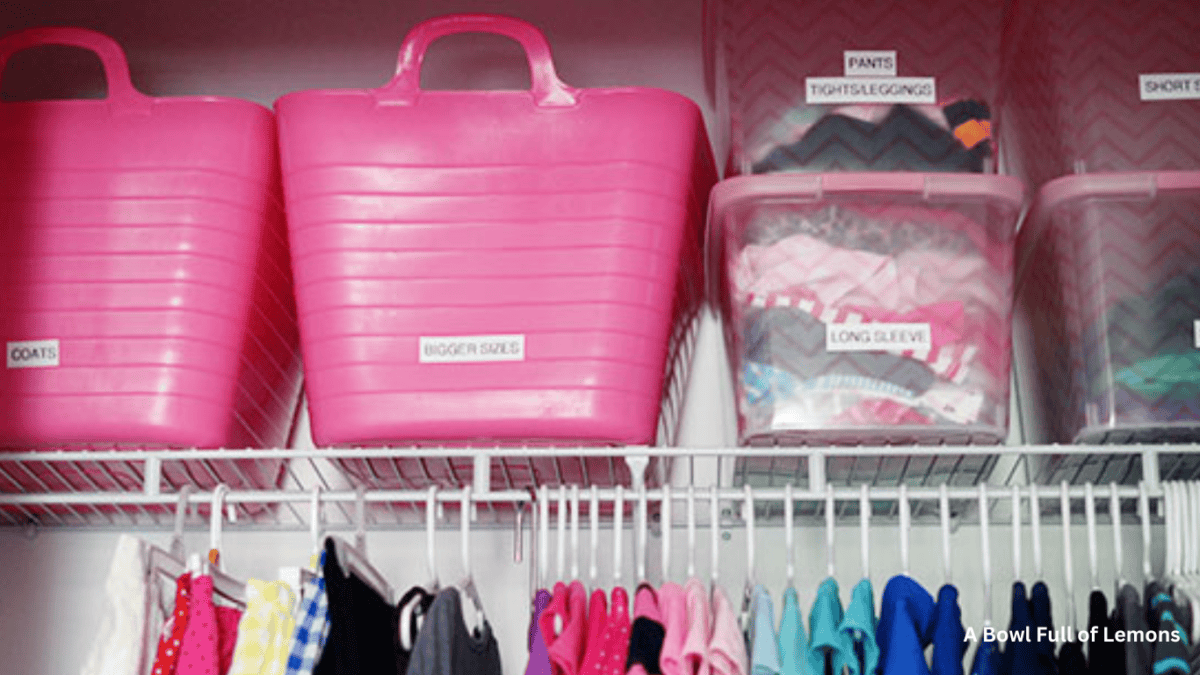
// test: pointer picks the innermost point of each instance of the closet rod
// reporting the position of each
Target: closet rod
(847, 494)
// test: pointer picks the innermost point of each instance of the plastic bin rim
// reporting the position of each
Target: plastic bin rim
(733, 192)
(154, 101)
(580, 93)
(1116, 184)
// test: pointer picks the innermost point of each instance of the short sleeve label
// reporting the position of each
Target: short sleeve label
(1169, 86)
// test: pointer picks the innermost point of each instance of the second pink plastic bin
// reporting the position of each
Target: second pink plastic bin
(500, 266)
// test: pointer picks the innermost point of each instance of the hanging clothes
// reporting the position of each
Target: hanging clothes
(1043, 629)
(565, 649)
(1168, 656)
(119, 644)
(949, 636)
(1071, 660)
(1129, 615)
(265, 630)
(360, 633)
(171, 640)
(905, 616)
(793, 638)
(597, 626)
(445, 646)
(825, 653)
(699, 621)
(858, 631)
(616, 637)
(987, 659)
(646, 636)
(410, 610)
(1104, 657)
(211, 634)
(673, 606)
(1019, 656)
(727, 647)
(312, 625)
(763, 642)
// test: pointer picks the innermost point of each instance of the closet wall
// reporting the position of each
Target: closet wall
(260, 49)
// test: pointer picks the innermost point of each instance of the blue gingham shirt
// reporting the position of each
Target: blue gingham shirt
(312, 626)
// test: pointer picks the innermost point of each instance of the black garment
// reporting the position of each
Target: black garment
(905, 140)
(645, 642)
(360, 625)
(417, 600)
(445, 646)
(1071, 660)
(1019, 656)
(1104, 658)
(1129, 615)
(1168, 657)
(1043, 623)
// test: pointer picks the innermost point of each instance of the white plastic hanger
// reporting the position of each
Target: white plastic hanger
(1064, 499)
(665, 518)
(1035, 526)
(544, 537)
(561, 541)
(691, 530)
(467, 584)
(864, 529)
(169, 563)
(944, 512)
(1114, 508)
(224, 585)
(618, 533)
(830, 532)
(353, 560)
(1016, 533)
(714, 508)
(594, 551)
(574, 532)
(789, 535)
(431, 518)
(1089, 510)
(640, 549)
(751, 540)
(985, 547)
(1144, 517)
(905, 520)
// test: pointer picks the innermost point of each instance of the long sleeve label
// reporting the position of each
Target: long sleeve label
(472, 348)
(871, 337)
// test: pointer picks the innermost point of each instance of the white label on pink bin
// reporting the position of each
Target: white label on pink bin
(472, 348)
(878, 337)
(32, 354)
(1169, 86)
(839, 90)
(875, 63)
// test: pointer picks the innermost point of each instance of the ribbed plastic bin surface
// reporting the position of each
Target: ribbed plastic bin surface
(146, 289)
(871, 85)
(866, 308)
(500, 266)
(1110, 275)
(1101, 87)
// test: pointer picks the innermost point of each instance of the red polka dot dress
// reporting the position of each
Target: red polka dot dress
(172, 637)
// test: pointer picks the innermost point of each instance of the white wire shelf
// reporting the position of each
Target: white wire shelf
(101, 487)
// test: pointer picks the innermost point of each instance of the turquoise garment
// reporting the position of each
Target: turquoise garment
(858, 631)
(764, 646)
(793, 639)
(825, 620)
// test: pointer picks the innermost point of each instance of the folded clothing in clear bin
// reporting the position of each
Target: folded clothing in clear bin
(866, 316)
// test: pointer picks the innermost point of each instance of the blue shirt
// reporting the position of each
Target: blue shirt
(1020, 655)
(905, 616)
(764, 646)
(949, 636)
(793, 639)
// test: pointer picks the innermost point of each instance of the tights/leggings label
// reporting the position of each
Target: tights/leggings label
(32, 354)
(1169, 86)
(472, 348)
(841, 90)
(872, 337)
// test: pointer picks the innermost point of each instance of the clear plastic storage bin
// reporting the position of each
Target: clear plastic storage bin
(866, 308)
(1110, 280)
(830, 85)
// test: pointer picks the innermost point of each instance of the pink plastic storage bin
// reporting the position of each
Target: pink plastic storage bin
(500, 266)
(871, 85)
(1077, 96)
(146, 292)
(1109, 285)
(866, 308)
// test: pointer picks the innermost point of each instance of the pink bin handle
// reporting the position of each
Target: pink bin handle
(547, 89)
(112, 57)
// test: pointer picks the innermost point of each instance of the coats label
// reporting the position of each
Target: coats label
(1169, 86)
(838, 90)
(32, 354)
(472, 348)
(872, 337)
(872, 62)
